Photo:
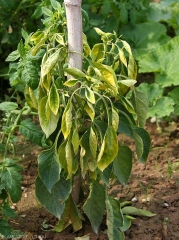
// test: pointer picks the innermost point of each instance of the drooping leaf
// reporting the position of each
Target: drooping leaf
(90, 95)
(127, 223)
(110, 148)
(145, 137)
(114, 219)
(123, 164)
(164, 61)
(93, 142)
(140, 103)
(54, 99)
(75, 141)
(62, 155)
(70, 215)
(90, 110)
(49, 167)
(128, 210)
(54, 201)
(67, 120)
(30, 98)
(50, 62)
(48, 121)
(138, 145)
(94, 206)
(31, 131)
(8, 106)
(69, 158)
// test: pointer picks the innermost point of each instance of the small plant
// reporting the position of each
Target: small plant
(146, 189)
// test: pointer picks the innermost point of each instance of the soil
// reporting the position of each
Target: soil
(153, 186)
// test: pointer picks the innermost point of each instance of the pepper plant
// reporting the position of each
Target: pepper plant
(81, 117)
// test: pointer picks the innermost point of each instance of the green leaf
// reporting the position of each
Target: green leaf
(67, 120)
(145, 137)
(90, 95)
(135, 211)
(48, 121)
(138, 145)
(8, 106)
(164, 61)
(55, 4)
(70, 215)
(31, 131)
(98, 52)
(94, 206)
(161, 104)
(75, 72)
(30, 74)
(11, 179)
(21, 49)
(50, 63)
(174, 94)
(13, 56)
(153, 92)
(123, 164)
(47, 12)
(114, 219)
(146, 37)
(54, 201)
(5, 228)
(127, 224)
(140, 103)
(109, 148)
(54, 99)
(49, 167)
(8, 212)
(123, 13)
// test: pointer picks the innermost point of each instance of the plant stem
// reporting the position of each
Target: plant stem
(12, 131)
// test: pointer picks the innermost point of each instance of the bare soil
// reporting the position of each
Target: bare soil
(153, 187)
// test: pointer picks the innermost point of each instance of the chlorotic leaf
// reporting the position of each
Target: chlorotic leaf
(75, 72)
(90, 95)
(54, 99)
(67, 120)
(49, 64)
(94, 206)
(110, 148)
(97, 52)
